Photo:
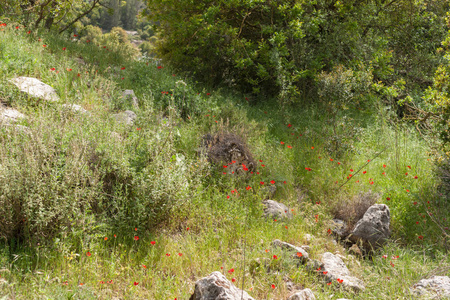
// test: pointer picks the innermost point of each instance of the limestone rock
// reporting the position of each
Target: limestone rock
(436, 287)
(9, 115)
(217, 286)
(294, 249)
(333, 268)
(339, 228)
(35, 88)
(276, 210)
(373, 229)
(129, 94)
(305, 294)
(128, 117)
(75, 108)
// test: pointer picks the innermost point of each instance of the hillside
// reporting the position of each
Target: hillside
(94, 205)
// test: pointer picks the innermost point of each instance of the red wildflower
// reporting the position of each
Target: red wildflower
(275, 257)
(272, 181)
(106, 238)
(299, 254)
(44, 46)
(312, 148)
(207, 94)
(160, 67)
(64, 48)
(364, 172)
(273, 286)
(261, 182)
(88, 253)
(289, 146)
(152, 242)
(420, 237)
(179, 254)
(388, 198)
(289, 125)
(233, 279)
(136, 283)
(144, 266)
(409, 167)
(136, 238)
(230, 271)
(123, 68)
(248, 188)
(325, 272)
(167, 254)
(282, 143)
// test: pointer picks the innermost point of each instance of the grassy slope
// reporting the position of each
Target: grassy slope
(220, 229)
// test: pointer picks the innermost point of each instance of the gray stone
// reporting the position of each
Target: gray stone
(373, 229)
(308, 238)
(9, 115)
(333, 268)
(75, 108)
(217, 287)
(339, 228)
(276, 210)
(127, 117)
(435, 287)
(35, 88)
(305, 294)
(294, 249)
(129, 94)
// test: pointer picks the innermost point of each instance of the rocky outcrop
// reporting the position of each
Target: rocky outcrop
(373, 229)
(75, 108)
(305, 294)
(436, 287)
(216, 286)
(276, 210)
(35, 88)
(297, 252)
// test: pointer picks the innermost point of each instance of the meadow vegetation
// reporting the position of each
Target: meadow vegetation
(93, 209)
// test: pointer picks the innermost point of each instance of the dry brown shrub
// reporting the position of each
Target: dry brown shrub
(229, 149)
(351, 209)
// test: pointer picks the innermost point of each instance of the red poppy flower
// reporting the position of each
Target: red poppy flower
(340, 280)
(106, 238)
(312, 148)
(284, 182)
(136, 238)
(152, 242)
(406, 174)
(364, 172)
(110, 282)
(230, 271)
(324, 272)
(409, 167)
(136, 283)
(282, 143)
(329, 283)
(263, 166)
(331, 159)
(420, 237)
(415, 177)
(75, 35)
(160, 67)
(267, 250)
(233, 279)
(384, 166)
(392, 264)
(187, 229)
(273, 286)
(248, 188)
(261, 182)
(275, 257)
(167, 254)
(88, 253)
(102, 282)
(388, 198)
(44, 46)
(123, 68)
(289, 146)
(179, 254)
(144, 266)
(299, 254)
(52, 69)
(29, 31)
(272, 181)
(228, 196)
(68, 69)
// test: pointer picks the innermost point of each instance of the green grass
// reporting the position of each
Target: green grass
(81, 186)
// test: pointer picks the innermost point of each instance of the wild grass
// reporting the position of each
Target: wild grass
(131, 199)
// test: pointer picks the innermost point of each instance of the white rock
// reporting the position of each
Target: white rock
(75, 108)
(126, 117)
(276, 210)
(336, 269)
(294, 249)
(373, 229)
(305, 294)
(35, 88)
(216, 286)
(436, 287)
(10, 115)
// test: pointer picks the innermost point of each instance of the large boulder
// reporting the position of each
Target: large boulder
(373, 229)
(217, 287)
(305, 294)
(276, 210)
(35, 88)
(435, 287)
(333, 269)
(297, 252)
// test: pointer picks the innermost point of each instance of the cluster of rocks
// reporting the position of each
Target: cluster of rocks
(371, 231)
(42, 91)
